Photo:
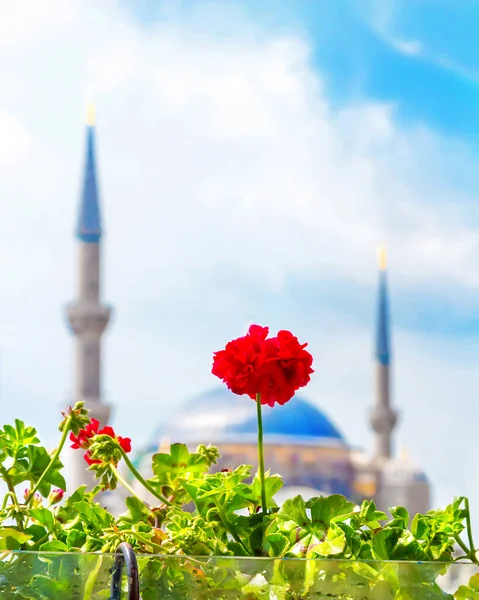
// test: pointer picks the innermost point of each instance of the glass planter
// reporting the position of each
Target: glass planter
(76, 576)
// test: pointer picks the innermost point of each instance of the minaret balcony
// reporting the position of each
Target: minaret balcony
(88, 319)
(383, 419)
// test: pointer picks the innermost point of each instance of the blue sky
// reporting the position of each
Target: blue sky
(418, 55)
(252, 156)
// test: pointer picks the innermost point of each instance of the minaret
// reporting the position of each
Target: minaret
(383, 417)
(87, 316)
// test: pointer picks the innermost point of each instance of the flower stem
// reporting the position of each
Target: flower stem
(463, 546)
(13, 497)
(124, 483)
(469, 531)
(261, 454)
(53, 460)
(142, 480)
(9, 496)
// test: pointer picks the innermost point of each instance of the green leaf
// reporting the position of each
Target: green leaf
(46, 587)
(470, 591)
(37, 532)
(138, 510)
(400, 516)
(14, 439)
(273, 483)
(293, 522)
(12, 539)
(92, 577)
(394, 543)
(334, 543)
(324, 509)
(236, 549)
(32, 467)
(293, 514)
(75, 538)
(368, 516)
(54, 546)
(43, 516)
(278, 544)
(178, 462)
(93, 515)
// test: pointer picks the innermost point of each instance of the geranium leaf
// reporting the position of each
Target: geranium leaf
(33, 466)
(324, 509)
(53, 546)
(12, 539)
(334, 543)
(43, 516)
(178, 462)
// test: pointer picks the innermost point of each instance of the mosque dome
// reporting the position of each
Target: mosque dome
(219, 416)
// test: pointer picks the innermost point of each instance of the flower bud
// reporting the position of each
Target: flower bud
(55, 496)
(36, 500)
(210, 453)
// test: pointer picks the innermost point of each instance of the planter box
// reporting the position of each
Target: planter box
(75, 576)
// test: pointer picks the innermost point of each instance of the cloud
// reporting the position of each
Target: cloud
(382, 16)
(15, 141)
(409, 47)
(225, 170)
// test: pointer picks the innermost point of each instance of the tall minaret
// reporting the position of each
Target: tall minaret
(383, 417)
(87, 316)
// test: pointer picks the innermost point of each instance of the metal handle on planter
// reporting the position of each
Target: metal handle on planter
(126, 558)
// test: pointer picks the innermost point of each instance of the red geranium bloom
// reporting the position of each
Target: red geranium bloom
(90, 461)
(82, 440)
(238, 364)
(272, 367)
(286, 368)
(125, 443)
(84, 437)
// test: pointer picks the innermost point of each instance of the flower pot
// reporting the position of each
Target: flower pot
(77, 576)
(69, 575)
(215, 578)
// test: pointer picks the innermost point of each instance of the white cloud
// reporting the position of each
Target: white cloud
(382, 16)
(221, 160)
(15, 141)
(410, 47)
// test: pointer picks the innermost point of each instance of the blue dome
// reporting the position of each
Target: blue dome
(221, 416)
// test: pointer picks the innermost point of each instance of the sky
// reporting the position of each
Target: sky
(252, 156)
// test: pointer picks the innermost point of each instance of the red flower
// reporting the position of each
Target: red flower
(238, 364)
(82, 440)
(84, 437)
(286, 368)
(275, 367)
(91, 461)
(125, 444)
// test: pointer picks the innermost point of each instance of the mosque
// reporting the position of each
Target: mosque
(300, 440)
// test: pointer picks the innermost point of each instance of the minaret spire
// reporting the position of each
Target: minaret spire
(383, 354)
(383, 417)
(87, 316)
(89, 220)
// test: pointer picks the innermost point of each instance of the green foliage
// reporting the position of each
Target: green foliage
(332, 547)
(74, 419)
(470, 591)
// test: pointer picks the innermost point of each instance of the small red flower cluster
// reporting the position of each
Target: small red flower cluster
(84, 437)
(273, 367)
